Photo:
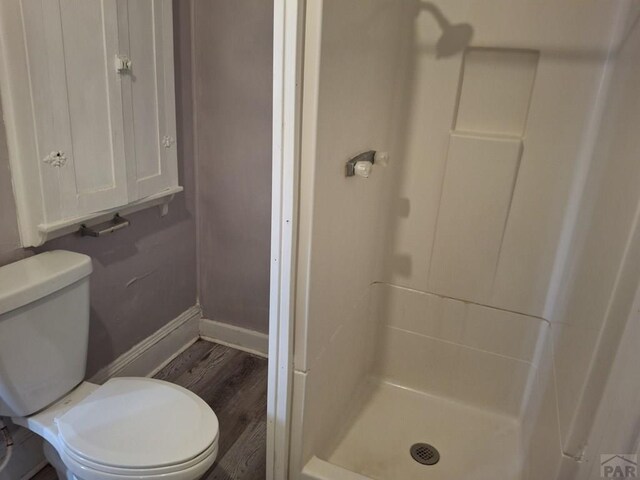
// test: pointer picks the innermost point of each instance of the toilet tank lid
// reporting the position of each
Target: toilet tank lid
(28, 280)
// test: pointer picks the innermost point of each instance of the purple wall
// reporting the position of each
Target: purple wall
(233, 71)
(145, 275)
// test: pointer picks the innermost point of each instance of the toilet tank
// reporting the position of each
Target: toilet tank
(44, 330)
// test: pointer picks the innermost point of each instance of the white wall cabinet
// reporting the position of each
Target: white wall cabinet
(89, 104)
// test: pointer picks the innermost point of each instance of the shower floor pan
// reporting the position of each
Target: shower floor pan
(474, 444)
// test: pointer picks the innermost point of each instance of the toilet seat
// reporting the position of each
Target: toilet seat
(138, 428)
(187, 471)
(84, 463)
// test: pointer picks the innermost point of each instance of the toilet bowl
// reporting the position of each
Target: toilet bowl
(127, 429)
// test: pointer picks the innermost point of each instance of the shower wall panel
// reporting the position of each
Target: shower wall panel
(350, 111)
(595, 295)
(476, 196)
(495, 91)
(327, 390)
(353, 72)
(521, 86)
(449, 348)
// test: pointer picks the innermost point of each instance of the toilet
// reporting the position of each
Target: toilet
(129, 428)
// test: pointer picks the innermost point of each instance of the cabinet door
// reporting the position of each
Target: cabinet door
(146, 34)
(77, 102)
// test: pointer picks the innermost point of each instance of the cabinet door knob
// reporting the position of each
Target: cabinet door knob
(167, 141)
(55, 159)
(123, 64)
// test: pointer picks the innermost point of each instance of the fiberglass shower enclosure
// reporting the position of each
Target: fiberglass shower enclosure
(472, 294)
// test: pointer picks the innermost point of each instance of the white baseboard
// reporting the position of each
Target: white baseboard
(236, 337)
(154, 352)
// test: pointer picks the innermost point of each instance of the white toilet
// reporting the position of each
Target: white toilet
(128, 428)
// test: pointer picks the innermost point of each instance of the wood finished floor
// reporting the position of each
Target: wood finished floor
(234, 384)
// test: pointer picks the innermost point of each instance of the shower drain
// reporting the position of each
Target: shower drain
(424, 453)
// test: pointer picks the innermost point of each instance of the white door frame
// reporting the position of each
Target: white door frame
(287, 71)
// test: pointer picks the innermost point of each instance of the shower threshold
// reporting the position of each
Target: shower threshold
(474, 444)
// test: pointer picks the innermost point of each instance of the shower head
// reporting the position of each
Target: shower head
(455, 37)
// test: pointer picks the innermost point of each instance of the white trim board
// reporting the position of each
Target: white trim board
(154, 352)
(236, 337)
(288, 28)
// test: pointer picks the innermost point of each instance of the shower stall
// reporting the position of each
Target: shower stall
(471, 293)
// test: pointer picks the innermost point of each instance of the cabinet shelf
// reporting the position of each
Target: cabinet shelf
(49, 231)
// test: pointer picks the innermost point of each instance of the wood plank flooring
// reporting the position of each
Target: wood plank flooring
(234, 384)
